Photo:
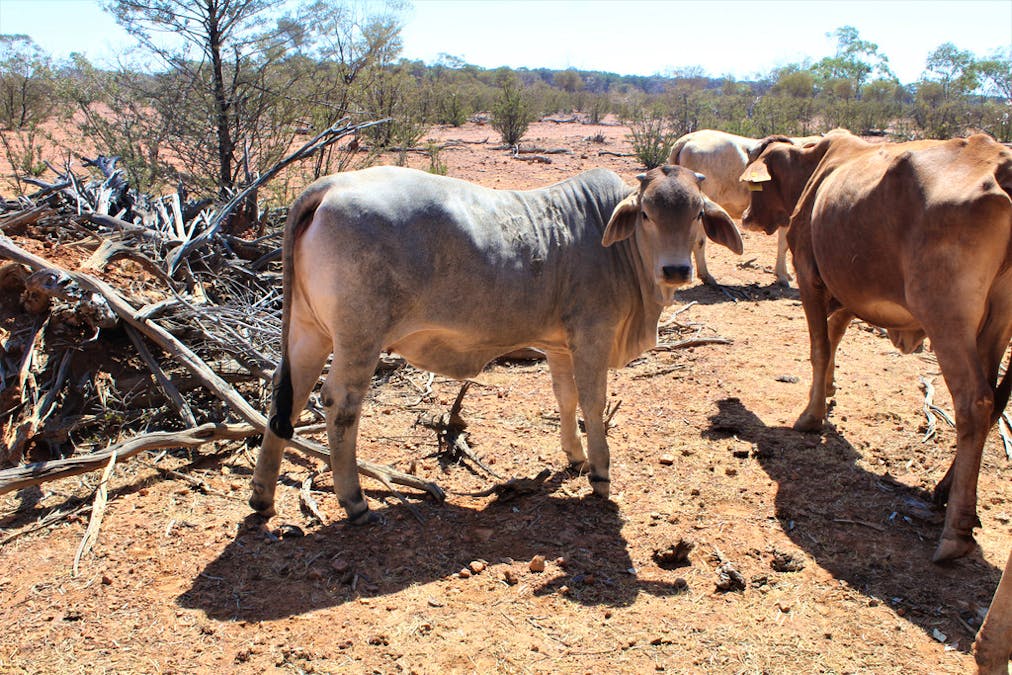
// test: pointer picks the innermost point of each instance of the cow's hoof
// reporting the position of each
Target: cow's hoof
(708, 280)
(783, 282)
(808, 423)
(950, 548)
(580, 468)
(262, 505)
(367, 517)
(600, 486)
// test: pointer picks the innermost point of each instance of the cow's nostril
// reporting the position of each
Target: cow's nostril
(676, 272)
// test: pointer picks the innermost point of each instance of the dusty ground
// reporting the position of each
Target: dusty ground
(832, 534)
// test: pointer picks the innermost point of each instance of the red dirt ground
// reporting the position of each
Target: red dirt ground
(831, 533)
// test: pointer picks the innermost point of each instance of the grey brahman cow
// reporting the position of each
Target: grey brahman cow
(450, 275)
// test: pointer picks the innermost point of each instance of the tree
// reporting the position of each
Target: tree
(26, 85)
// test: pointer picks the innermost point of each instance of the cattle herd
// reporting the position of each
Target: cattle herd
(915, 238)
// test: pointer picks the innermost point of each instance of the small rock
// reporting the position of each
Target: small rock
(476, 566)
(106, 581)
(681, 585)
(729, 579)
(464, 573)
(340, 565)
(789, 379)
(510, 577)
(666, 460)
(730, 471)
(314, 574)
(939, 635)
(537, 564)
(433, 602)
(676, 555)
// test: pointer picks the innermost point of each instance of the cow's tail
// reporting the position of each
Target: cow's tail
(676, 149)
(1002, 391)
(299, 217)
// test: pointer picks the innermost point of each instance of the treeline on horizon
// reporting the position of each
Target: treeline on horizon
(228, 101)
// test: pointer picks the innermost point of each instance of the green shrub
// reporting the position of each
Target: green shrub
(511, 114)
(651, 136)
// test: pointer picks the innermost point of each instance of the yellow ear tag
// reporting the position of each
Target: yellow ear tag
(755, 187)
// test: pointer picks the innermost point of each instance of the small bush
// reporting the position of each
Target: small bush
(436, 165)
(511, 114)
(651, 137)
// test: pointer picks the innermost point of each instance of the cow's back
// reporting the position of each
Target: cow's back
(453, 273)
(885, 214)
(721, 157)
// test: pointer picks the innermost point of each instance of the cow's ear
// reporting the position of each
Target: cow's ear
(623, 220)
(720, 228)
(756, 172)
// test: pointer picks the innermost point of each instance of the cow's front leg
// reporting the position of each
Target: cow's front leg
(342, 397)
(564, 386)
(815, 301)
(699, 256)
(783, 276)
(591, 373)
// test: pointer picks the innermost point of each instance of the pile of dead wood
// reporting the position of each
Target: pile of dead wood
(174, 349)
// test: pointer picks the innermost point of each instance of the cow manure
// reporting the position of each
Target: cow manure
(729, 578)
(674, 556)
(786, 562)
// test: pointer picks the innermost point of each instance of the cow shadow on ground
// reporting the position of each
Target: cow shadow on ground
(868, 530)
(705, 294)
(261, 576)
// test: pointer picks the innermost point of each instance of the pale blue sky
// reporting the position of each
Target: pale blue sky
(637, 37)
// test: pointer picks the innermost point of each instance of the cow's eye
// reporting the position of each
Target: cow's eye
(700, 216)
(645, 216)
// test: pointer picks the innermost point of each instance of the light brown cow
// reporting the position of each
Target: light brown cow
(450, 275)
(915, 238)
(721, 157)
(993, 647)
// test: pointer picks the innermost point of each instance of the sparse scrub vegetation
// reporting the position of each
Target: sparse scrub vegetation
(190, 117)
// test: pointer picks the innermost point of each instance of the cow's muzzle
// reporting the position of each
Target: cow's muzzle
(677, 274)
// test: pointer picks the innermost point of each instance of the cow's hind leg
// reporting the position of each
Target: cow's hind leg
(307, 352)
(838, 323)
(342, 395)
(973, 399)
(564, 386)
(993, 646)
(783, 276)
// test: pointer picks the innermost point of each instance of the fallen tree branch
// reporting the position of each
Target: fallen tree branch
(691, 342)
(97, 512)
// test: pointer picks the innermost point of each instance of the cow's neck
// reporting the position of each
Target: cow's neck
(637, 331)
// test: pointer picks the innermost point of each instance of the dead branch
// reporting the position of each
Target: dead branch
(18, 223)
(97, 512)
(450, 434)
(163, 381)
(540, 159)
(615, 154)
(307, 502)
(691, 342)
(214, 383)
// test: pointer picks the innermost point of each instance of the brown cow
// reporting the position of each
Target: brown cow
(993, 646)
(915, 238)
